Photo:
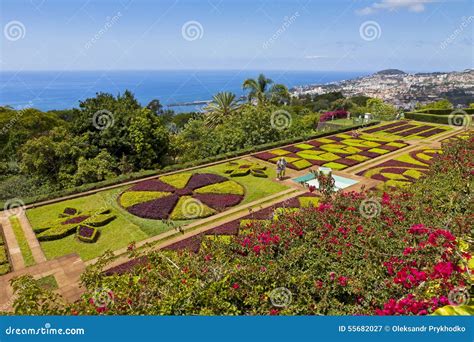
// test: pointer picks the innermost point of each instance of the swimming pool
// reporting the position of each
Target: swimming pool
(340, 182)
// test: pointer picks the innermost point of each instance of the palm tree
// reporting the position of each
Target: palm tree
(223, 105)
(262, 90)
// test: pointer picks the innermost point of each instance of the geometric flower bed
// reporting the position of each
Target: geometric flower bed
(236, 169)
(239, 225)
(181, 196)
(336, 151)
(408, 130)
(4, 261)
(84, 225)
(403, 169)
(226, 230)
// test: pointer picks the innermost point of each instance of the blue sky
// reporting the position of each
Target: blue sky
(413, 35)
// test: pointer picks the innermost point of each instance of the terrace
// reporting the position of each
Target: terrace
(183, 209)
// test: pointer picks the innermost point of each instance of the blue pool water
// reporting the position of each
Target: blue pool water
(340, 182)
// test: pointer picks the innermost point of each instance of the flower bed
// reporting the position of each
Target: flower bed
(408, 129)
(87, 234)
(187, 196)
(402, 170)
(333, 151)
(4, 260)
(83, 224)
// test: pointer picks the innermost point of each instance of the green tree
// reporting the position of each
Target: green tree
(263, 90)
(95, 169)
(381, 110)
(222, 106)
(441, 104)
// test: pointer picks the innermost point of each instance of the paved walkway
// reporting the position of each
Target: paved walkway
(66, 270)
(16, 258)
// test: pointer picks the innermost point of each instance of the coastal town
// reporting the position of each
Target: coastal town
(401, 89)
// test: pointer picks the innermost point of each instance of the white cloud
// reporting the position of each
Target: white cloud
(393, 5)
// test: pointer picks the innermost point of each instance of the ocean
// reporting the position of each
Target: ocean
(47, 90)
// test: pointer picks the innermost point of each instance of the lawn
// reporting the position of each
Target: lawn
(127, 227)
(22, 242)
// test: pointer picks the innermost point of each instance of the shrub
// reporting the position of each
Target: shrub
(3, 256)
(228, 187)
(87, 234)
(129, 198)
(4, 269)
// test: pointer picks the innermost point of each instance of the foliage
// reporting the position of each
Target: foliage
(222, 106)
(262, 90)
(441, 104)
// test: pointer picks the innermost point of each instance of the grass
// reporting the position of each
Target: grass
(127, 228)
(22, 242)
(48, 283)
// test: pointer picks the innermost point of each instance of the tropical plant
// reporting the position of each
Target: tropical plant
(222, 106)
(263, 90)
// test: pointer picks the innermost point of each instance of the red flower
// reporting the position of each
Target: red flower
(235, 286)
(274, 312)
(442, 270)
(342, 281)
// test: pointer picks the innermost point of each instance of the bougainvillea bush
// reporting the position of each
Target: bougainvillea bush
(405, 257)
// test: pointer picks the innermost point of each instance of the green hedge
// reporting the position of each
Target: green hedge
(177, 167)
(433, 118)
(443, 111)
(3, 256)
(4, 269)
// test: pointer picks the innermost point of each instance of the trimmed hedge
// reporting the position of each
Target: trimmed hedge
(176, 167)
(4, 269)
(87, 234)
(3, 256)
(443, 111)
(432, 118)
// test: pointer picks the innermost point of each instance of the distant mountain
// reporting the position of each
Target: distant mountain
(391, 72)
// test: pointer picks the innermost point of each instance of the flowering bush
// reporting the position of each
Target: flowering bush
(337, 114)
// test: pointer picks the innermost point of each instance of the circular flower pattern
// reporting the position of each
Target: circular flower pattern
(182, 196)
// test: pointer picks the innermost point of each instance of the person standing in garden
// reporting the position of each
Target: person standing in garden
(281, 168)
